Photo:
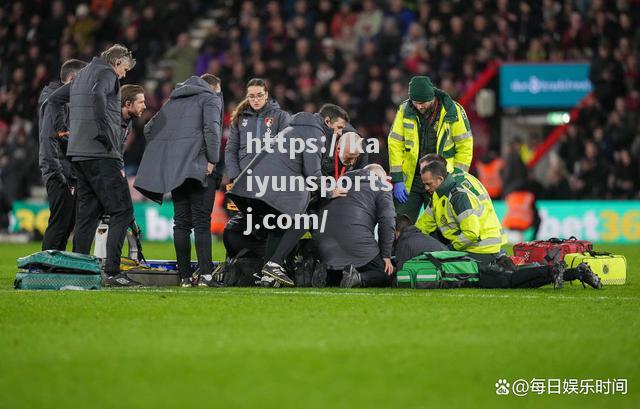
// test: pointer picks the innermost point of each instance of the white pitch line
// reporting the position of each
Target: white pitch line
(331, 293)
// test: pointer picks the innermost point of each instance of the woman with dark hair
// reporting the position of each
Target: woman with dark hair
(256, 117)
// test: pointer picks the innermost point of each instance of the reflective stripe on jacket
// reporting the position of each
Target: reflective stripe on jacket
(463, 219)
(454, 139)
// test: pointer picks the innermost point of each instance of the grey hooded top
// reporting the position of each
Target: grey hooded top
(303, 126)
(268, 121)
(181, 138)
(349, 237)
(52, 150)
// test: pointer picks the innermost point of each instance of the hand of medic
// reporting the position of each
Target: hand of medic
(388, 267)
(400, 192)
(210, 168)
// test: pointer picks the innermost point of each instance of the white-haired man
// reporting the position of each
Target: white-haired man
(94, 149)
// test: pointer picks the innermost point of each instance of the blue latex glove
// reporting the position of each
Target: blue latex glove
(400, 192)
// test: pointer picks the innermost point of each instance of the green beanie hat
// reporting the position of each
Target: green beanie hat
(421, 89)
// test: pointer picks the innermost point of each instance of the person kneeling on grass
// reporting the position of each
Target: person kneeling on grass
(471, 226)
(281, 165)
(459, 215)
(348, 243)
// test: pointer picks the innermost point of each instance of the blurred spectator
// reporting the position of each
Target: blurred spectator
(557, 183)
(369, 21)
(607, 76)
(403, 16)
(82, 26)
(623, 181)
(182, 57)
(514, 173)
(571, 148)
(589, 180)
(489, 169)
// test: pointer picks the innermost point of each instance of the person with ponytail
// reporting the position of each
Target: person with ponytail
(256, 117)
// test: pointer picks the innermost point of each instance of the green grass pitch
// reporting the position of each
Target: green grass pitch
(311, 348)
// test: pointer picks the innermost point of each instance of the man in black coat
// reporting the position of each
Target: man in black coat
(348, 242)
(95, 135)
(57, 173)
(183, 148)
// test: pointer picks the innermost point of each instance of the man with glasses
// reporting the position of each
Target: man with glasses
(94, 149)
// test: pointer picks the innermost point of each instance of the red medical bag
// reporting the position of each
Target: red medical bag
(546, 251)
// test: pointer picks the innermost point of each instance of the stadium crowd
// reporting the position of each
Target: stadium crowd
(359, 55)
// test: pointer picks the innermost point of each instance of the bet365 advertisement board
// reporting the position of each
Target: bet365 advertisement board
(598, 221)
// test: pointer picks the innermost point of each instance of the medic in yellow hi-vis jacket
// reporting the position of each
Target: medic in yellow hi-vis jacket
(429, 122)
(463, 178)
(459, 215)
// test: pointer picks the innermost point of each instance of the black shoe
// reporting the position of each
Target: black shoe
(557, 271)
(277, 272)
(219, 271)
(186, 282)
(587, 276)
(120, 280)
(351, 278)
(209, 280)
(267, 281)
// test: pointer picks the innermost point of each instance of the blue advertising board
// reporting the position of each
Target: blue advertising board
(543, 85)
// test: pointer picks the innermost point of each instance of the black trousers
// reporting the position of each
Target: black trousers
(192, 205)
(234, 241)
(280, 243)
(372, 274)
(102, 189)
(484, 259)
(62, 214)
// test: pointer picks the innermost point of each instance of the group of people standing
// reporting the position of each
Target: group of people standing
(84, 123)
(84, 120)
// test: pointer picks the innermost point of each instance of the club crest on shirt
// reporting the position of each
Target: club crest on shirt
(268, 121)
(245, 121)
